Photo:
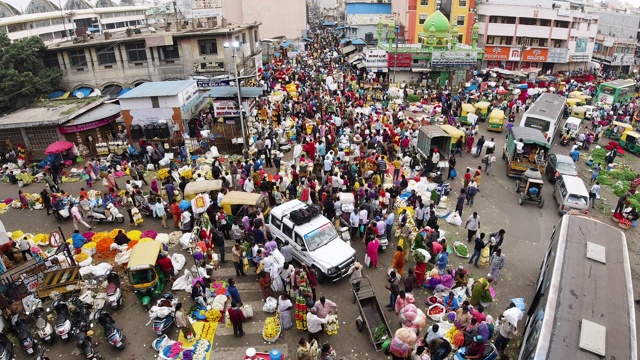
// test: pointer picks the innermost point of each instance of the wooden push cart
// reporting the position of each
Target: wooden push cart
(371, 315)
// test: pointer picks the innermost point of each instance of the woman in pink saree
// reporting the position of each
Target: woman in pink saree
(372, 252)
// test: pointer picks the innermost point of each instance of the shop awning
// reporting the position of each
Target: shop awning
(341, 27)
(353, 58)
(82, 92)
(342, 41)
(358, 42)
(360, 65)
(287, 44)
(99, 116)
(124, 91)
(348, 49)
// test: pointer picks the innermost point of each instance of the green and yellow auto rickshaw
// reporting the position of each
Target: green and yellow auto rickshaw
(482, 110)
(579, 112)
(496, 120)
(616, 129)
(466, 109)
(146, 278)
(455, 134)
(630, 141)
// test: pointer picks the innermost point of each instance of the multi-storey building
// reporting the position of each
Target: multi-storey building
(617, 40)
(53, 21)
(287, 18)
(362, 19)
(458, 12)
(547, 35)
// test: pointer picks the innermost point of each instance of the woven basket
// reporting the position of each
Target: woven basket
(615, 219)
(624, 226)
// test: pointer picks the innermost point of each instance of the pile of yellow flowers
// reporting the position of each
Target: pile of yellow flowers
(81, 257)
(3, 208)
(41, 239)
(89, 245)
(208, 330)
(16, 234)
(271, 328)
(114, 232)
(145, 240)
(99, 236)
(162, 174)
(188, 174)
(213, 315)
(134, 235)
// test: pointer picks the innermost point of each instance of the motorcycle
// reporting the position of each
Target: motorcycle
(63, 319)
(45, 329)
(114, 336)
(6, 348)
(164, 313)
(26, 340)
(81, 315)
(97, 213)
(114, 295)
(61, 211)
(83, 342)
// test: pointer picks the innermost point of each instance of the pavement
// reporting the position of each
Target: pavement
(528, 229)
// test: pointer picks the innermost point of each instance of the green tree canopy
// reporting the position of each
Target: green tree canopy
(23, 75)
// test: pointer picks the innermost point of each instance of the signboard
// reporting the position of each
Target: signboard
(453, 58)
(581, 45)
(535, 54)
(608, 41)
(578, 58)
(374, 58)
(225, 108)
(557, 55)
(515, 53)
(147, 116)
(399, 60)
(209, 83)
(500, 53)
(70, 129)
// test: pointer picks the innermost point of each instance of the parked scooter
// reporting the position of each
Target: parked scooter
(114, 336)
(61, 211)
(114, 295)
(63, 319)
(83, 342)
(81, 315)
(163, 314)
(6, 348)
(26, 340)
(97, 213)
(45, 329)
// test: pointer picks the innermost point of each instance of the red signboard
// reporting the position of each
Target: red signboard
(399, 60)
(69, 129)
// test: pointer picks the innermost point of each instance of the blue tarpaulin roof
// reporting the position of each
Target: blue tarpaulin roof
(341, 27)
(124, 91)
(307, 39)
(368, 8)
(286, 44)
(329, 23)
(56, 94)
(358, 42)
(85, 91)
(342, 41)
(158, 88)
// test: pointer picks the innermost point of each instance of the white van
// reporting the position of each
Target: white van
(316, 242)
(571, 194)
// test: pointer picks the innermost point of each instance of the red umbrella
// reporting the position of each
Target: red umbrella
(58, 146)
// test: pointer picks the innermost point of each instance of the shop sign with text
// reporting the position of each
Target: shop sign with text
(399, 60)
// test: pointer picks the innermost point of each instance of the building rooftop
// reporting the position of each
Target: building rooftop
(146, 33)
(232, 91)
(158, 88)
(105, 110)
(53, 112)
(83, 13)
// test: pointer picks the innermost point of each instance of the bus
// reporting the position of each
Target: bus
(583, 307)
(616, 91)
(545, 115)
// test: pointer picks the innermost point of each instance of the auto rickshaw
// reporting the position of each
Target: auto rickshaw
(630, 140)
(496, 120)
(482, 110)
(146, 278)
(196, 187)
(574, 102)
(572, 127)
(616, 129)
(455, 134)
(466, 109)
(237, 204)
(579, 112)
(529, 186)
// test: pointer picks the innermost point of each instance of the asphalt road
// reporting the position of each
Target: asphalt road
(528, 229)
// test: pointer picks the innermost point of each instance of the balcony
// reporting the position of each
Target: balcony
(501, 29)
(533, 31)
(560, 33)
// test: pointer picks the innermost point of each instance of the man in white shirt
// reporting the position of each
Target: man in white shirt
(221, 194)
(472, 225)
(364, 217)
(433, 333)
(314, 324)
(248, 185)
(594, 193)
(185, 220)
(419, 217)
(328, 164)
(354, 224)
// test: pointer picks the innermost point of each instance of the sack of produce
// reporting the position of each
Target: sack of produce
(460, 249)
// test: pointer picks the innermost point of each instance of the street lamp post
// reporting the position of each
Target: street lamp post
(235, 45)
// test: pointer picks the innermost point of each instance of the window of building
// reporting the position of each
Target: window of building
(557, 43)
(169, 53)
(506, 40)
(424, 2)
(460, 38)
(244, 38)
(78, 58)
(460, 20)
(136, 52)
(528, 21)
(482, 18)
(238, 38)
(490, 40)
(155, 103)
(51, 60)
(208, 47)
(545, 22)
(562, 24)
(462, 3)
(106, 55)
(494, 19)
(542, 42)
(255, 35)
(423, 18)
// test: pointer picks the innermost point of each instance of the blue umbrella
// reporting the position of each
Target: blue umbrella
(184, 205)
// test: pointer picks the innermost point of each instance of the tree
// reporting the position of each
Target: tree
(23, 75)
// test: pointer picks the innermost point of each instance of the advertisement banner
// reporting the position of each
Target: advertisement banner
(501, 53)
(578, 58)
(374, 58)
(399, 60)
(557, 55)
(453, 58)
(535, 55)
(87, 126)
(581, 45)
(225, 108)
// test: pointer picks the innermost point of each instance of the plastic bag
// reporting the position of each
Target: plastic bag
(183, 282)
(178, 261)
(85, 262)
(123, 257)
(270, 305)
(247, 310)
(454, 219)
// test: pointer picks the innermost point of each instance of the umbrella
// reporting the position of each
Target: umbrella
(58, 146)
(184, 205)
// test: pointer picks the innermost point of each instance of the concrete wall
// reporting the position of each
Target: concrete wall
(286, 18)
(622, 25)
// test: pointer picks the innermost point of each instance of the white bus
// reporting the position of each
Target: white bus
(583, 307)
(545, 115)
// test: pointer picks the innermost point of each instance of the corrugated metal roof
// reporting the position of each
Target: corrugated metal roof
(158, 88)
(366, 9)
(231, 91)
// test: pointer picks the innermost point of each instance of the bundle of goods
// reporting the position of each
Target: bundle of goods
(460, 249)
(271, 331)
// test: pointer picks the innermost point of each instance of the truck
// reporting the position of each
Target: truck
(314, 238)
(535, 149)
(433, 137)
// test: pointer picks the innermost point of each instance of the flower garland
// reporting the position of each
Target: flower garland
(208, 329)
(214, 316)
(134, 235)
(200, 349)
(22, 152)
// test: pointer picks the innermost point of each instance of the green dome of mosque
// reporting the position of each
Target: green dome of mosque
(438, 20)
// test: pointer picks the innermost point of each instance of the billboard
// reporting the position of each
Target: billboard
(374, 58)
(453, 58)
(195, 9)
(581, 45)
(399, 60)
(225, 108)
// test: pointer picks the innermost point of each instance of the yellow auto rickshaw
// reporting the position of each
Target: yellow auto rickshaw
(575, 94)
(237, 204)
(466, 109)
(561, 86)
(616, 129)
(630, 140)
(146, 278)
(571, 102)
(455, 134)
(496, 120)
(482, 110)
(579, 112)
(196, 187)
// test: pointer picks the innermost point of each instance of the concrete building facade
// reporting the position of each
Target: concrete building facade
(286, 18)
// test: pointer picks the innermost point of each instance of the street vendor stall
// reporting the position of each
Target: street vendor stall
(196, 187)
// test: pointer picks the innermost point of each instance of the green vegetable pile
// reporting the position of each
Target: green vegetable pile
(619, 180)
(380, 333)
(418, 256)
(461, 249)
